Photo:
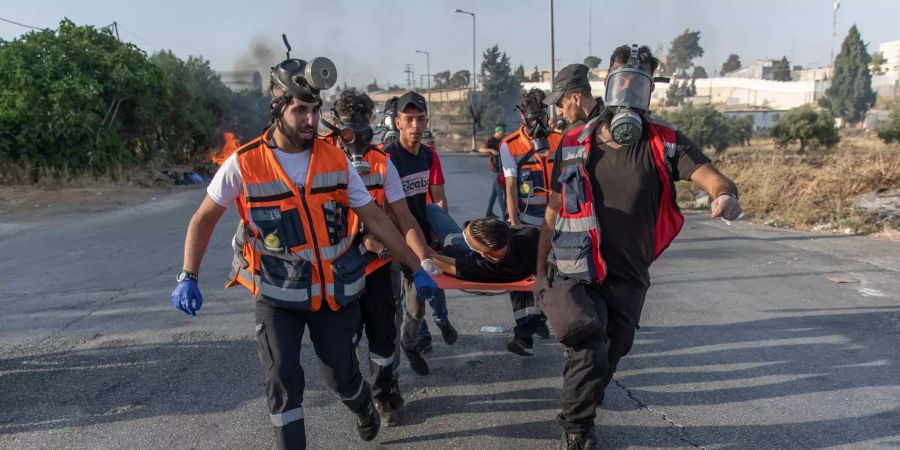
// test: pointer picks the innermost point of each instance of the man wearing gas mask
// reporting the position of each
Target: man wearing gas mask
(293, 250)
(611, 213)
(352, 132)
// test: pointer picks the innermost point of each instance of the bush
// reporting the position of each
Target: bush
(890, 132)
(709, 128)
(807, 126)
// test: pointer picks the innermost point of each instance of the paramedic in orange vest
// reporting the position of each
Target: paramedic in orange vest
(611, 213)
(526, 158)
(352, 131)
(294, 250)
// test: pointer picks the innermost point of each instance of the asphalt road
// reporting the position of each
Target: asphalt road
(745, 343)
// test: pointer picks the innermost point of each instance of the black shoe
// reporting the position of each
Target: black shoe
(447, 331)
(520, 347)
(580, 441)
(389, 416)
(423, 344)
(542, 331)
(416, 362)
(368, 423)
(394, 398)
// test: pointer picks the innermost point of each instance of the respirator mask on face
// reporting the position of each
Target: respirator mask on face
(538, 128)
(355, 136)
(628, 89)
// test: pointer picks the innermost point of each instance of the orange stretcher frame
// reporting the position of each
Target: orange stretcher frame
(449, 282)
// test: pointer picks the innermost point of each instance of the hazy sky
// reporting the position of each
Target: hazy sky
(374, 39)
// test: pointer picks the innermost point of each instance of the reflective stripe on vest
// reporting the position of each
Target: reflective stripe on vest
(533, 172)
(576, 241)
(300, 236)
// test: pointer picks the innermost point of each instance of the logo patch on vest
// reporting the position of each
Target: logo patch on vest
(272, 242)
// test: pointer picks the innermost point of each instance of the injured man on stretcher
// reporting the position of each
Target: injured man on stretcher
(490, 250)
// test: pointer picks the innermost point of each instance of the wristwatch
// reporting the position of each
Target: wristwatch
(384, 253)
(184, 275)
(730, 194)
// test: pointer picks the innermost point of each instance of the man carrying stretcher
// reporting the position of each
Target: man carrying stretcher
(492, 251)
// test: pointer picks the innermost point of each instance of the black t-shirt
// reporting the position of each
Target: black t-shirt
(493, 160)
(414, 172)
(519, 263)
(626, 191)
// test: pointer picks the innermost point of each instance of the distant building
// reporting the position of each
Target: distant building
(763, 121)
(242, 81)
(891, 52)
(760, 70)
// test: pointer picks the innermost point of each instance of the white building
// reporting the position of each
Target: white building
(891, 52)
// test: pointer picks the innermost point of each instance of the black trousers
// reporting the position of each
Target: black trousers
(279, 335)
(590, 365)
(379, 308)
(528, 315)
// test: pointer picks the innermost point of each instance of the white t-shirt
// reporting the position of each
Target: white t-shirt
(227, 185)
(393, 188)
(508, 162)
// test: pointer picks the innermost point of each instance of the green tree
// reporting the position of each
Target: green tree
(459, 79)
(890, 131)
(706, 127)
(850, 94)
(781, 71)
(536, 75)
(441, 80)
(876, 65)
(501, 91)
(676, 93)
(731, 64)
(685, 47)
(699, 72)
(77, 97)
(593, 61)
(373, 86)
(806, 126)
(519, 74)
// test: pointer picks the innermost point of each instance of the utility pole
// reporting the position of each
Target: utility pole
(552, 58)
(474, 130)
(837, 6)
(590, 28)
(427, 73)
(409, 74)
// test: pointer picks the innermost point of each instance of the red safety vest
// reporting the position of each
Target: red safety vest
(296, 253)
(576, 242)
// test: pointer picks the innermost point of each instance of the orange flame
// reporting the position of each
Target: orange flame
(231, 144)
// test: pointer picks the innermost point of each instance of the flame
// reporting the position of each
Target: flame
(231, 144)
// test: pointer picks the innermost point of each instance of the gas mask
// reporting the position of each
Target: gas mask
(628, 89)
(389, 121)
(355, 136)
(301, 79)
(537, 126)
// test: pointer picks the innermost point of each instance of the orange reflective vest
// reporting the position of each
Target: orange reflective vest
(533, 171)
(576, 240)
(374, 181)
(291, 247)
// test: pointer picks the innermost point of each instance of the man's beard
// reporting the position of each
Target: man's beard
(293, 135)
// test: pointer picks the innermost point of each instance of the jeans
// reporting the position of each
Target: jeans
(498, 193)
(448, 233)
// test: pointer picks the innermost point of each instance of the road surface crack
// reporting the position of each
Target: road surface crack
(681, 434)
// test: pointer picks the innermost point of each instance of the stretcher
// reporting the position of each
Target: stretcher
(448, 282)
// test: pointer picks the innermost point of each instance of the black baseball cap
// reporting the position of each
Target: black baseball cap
(414, 99)
(571, 77)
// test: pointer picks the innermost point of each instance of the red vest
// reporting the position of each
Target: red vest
(576, 241)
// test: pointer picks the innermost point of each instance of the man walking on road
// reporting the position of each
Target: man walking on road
(611, 213)
(415, 163)
(491, 147)
(294, 252)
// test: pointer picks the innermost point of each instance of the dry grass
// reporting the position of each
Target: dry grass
(781, 188)
(66, 177)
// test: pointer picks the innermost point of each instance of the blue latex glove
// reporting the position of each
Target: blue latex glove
(425, 286)
(187, 298)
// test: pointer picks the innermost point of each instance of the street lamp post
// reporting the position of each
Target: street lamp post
(472, 75)
(552, 58)
(427, 73)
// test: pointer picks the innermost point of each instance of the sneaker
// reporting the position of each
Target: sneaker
(394, 398)
(416, 362)
(579, 441)
(423, 344)
(447, 331)
(389, 416)
(368, 423)
(542, 331)
(520, 347)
